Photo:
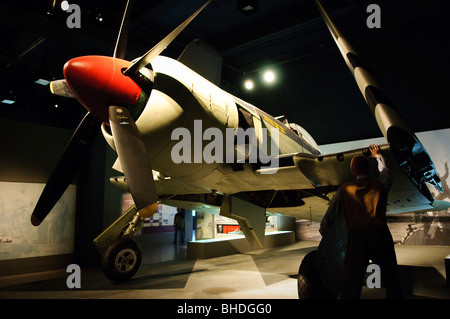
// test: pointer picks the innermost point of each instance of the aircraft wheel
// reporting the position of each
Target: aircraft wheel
(309, 284)
(121, 260)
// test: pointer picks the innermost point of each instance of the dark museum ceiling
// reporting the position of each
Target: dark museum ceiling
(408, 55)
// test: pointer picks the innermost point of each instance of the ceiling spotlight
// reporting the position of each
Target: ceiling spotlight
(249, 84)
(269, 76)
(42, 82)
(247, 7)
(64, 5)
(8, 101)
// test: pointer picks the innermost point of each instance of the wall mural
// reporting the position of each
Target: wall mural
(432, 228)
(20, 239)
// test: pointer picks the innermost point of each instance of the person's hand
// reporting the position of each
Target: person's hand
(375, 150)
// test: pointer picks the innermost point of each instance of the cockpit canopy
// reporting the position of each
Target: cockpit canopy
(299, 131)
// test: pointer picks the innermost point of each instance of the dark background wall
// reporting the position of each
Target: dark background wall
(29, 152)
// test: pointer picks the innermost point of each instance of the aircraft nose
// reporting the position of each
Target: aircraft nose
(98, 81)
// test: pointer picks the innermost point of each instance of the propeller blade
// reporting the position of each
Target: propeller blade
(157, 49)
(61, 88)
(122, 38)
(384, 112)
(73, 156)
(406, 147)
(133, 159)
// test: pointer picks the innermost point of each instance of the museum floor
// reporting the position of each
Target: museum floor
(165, 273)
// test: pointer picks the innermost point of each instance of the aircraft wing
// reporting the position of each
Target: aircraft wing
(333, 169)
(302, 190)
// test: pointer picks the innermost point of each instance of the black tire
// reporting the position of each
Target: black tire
(309, 284)
(121, 260)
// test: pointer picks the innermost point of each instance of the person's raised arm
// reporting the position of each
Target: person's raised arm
(385, 174)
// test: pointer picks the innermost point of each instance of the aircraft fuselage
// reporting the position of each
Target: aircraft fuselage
(181, 98)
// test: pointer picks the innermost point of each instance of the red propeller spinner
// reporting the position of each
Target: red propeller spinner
(98, 81)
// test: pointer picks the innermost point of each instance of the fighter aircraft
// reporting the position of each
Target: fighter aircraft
(139, 106)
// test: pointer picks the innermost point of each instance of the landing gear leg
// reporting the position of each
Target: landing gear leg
(121, 256)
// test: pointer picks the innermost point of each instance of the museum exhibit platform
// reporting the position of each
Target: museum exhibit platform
(210, 248)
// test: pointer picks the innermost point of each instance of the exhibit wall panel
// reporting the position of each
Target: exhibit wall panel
(29, 155)
(19, 238)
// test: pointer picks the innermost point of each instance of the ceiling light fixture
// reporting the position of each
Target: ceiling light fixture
(64, 5)
(249, 85)
(247, 7)
(42, 82)
(269, 76)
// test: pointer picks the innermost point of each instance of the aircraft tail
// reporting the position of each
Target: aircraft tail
(409, 152)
